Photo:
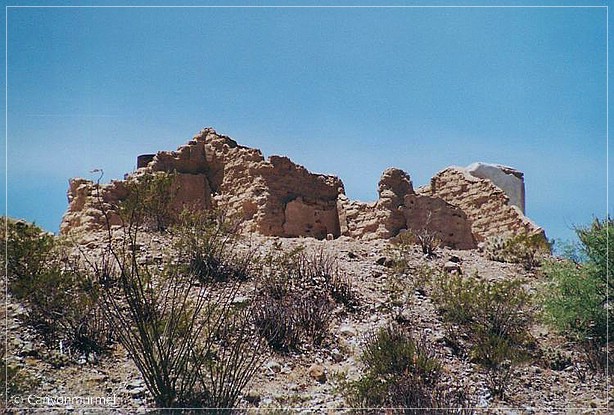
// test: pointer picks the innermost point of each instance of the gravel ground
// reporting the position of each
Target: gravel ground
(114, 385)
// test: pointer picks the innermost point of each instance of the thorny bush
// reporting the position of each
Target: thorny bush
(62, 303)
(297, 298)
(494, 317)
(193, 346)
(523, 248)
(404, 373)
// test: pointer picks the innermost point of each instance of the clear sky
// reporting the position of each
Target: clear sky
(345, 91)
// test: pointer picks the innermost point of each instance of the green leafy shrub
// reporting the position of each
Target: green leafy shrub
(64, 307)
(577, 298)
(493, 317)
(28, 249)
(207, 241)
(572, 302)
(403, 373)
(149, 201)
(523, 248)
(577, 295)
(62, 303)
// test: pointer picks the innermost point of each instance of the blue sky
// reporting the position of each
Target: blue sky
(345, 91)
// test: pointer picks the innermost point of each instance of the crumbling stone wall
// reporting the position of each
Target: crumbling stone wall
(486, 205)
(400, 208)
(277, 197)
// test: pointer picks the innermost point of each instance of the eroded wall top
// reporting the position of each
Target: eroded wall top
(278, 197)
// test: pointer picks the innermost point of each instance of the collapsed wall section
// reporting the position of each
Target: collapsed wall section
(486, 205)
(399, 208)
(277, 197)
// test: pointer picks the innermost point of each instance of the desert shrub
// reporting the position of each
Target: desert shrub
(207, 241)
(62, 303)
(494, 248)
(149, 201)
(319, 269)
(425, 238)
(494, 317)
(403, 267)
(13, 381)
(65, 309)
(403, 245)
(577, 297)
(193, 347)
(314, 312)
(297, 297)
(572, 302)
(28, 249)
(341, 290)
(277, 323)
(403, 373)
(288, 321)
(428, 241)
(523, 248)
(233, 360)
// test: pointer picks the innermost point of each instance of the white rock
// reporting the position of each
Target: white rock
(508, 179)
(347, 331)
(273, 366)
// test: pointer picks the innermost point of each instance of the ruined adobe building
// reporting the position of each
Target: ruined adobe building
(277, 197)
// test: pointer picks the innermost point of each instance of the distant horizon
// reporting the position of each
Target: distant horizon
(341, 91)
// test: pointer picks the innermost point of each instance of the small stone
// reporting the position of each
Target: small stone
(336, 355)
(99, 378)
(137, 383)
(452, 268)
(318, 373)
(240, 300)
(252, 397)
(454, 258)
(381, 260)
(137, 392)
(404, 316)
(352, 255)
(28, 349)
(329, 237)
(347, 331)
(273, 366)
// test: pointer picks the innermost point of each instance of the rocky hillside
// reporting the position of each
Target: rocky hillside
(310, 378)
(214, 268)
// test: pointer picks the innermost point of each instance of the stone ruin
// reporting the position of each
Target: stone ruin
(277, 197)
